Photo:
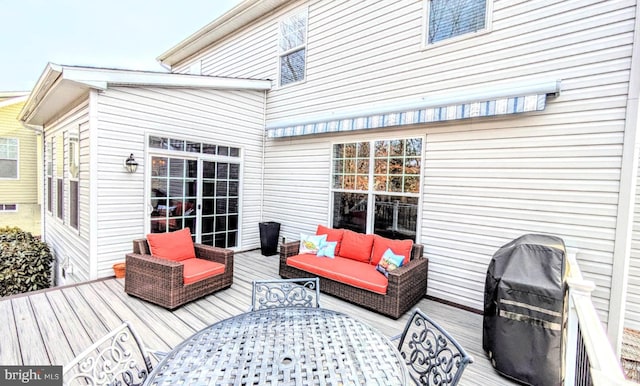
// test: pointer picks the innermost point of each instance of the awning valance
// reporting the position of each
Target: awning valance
(520, 99)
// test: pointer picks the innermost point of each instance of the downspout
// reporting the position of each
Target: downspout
(264, 145)
(626, 200)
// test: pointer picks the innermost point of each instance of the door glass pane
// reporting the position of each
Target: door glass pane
(176, 167)
(173, 194)
(192, 168)
(207, 206)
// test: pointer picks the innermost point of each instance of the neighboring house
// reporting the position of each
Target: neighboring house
(460, 126)
(20, 160)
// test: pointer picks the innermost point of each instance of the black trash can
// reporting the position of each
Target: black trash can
(269, 233)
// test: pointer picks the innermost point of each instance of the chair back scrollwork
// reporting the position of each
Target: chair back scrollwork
(118, 358)
(432, 355)
(285, 293)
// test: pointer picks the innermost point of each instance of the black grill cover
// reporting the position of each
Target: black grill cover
(524, 309)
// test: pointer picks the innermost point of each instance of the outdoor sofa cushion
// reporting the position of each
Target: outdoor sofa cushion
(399, 247)
(197, 269)
(356, 246)
(332, 235)
(345, 270)
(176, 246)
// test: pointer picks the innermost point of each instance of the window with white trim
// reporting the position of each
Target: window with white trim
(376, 186)
(73, 166)
(9, 158)
(48, 150)
(292, 48)
(59, 156)
(8, 207)
(450, 18)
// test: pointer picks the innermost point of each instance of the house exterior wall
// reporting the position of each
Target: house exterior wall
(125, 115)
(113, 203)
(485, 181)
(70, 246)
(22, 191)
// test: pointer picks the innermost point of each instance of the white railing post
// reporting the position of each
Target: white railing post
(582, 316)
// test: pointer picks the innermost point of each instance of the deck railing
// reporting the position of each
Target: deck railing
(589, 357)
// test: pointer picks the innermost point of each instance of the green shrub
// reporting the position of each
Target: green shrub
(25, 262)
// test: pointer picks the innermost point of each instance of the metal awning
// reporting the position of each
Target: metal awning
(486, 102)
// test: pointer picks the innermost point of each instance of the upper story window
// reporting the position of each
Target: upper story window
(8, 158)
(292, 48)
(450, 18)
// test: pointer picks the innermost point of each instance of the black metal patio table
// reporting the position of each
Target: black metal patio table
(284, 346)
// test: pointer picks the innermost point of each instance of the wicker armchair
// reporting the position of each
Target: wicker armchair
(160, 281)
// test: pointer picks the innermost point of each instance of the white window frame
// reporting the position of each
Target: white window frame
(48, 149)
(488, 25)
(371, 192)
(73, 163)
(150, 152)
(59, 174)
(3, 208)
(303, 46)
(17, 159)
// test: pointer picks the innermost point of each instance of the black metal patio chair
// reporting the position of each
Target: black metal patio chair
(432, 355)
(303, 292)
(118, 358)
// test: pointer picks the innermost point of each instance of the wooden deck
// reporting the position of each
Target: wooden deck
(52, 326)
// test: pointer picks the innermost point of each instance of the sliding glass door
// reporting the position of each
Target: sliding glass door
(196, 193)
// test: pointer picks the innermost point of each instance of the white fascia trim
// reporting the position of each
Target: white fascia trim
(13, 100)
(13, 94)
(51, 72)
(102, 78)
(465, 96)
(236, 18)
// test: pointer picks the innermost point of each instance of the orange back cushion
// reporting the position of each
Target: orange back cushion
(176, 246)
(356, 246)
(399, 247)
(332, 235)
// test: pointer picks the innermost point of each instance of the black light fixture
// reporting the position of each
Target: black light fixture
(131, 164)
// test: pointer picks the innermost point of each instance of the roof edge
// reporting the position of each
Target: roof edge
(234, 19)
(58, 78)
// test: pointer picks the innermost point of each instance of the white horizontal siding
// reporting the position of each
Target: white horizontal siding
(67, 242)
(486, 181)
(127, 114)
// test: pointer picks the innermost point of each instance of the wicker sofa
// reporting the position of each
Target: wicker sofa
(405, 286)
(162, 281)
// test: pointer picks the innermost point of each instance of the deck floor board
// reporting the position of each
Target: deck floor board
(47, 328)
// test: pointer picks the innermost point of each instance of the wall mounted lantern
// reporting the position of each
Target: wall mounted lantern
(131, 164)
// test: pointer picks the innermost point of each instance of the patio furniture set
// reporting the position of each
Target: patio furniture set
(284, 338)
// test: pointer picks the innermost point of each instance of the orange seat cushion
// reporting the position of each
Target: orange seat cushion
(344, 270)
(176, 246)
(356, 246)
(332, 235)
(398, 247)
(197, 269)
